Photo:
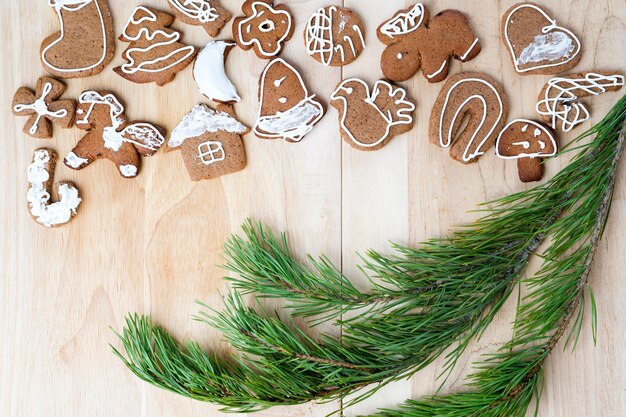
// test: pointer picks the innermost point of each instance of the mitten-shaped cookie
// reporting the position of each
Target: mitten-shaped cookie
(206, 13)
(109, 136)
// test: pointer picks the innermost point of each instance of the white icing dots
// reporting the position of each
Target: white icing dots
(282, 100)
(128, 171)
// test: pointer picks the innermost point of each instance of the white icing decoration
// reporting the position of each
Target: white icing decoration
(131, 67)
(404, 23)
(535, 50)
(470, 49)
(203, 119)
(294, 123)
(565, 104)
(256, 12)
(404, 113)
(74, 161)
(46, 213)
(41, 108)
(282, 100)
(143, 135)
(441, 68)
(319, 36)
(538, 129)
(70, 6)
(549, 47)
(200, 10)
(210, 73)
(446, 142)
(128, 171)
(211, 152)
(278, 82)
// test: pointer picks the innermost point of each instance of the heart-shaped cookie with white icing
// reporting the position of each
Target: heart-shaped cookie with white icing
(537, 44)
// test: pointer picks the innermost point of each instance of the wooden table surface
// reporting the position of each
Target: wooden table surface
(151, 244)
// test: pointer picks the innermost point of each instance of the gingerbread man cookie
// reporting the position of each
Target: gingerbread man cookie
(40, 180)
(210, 142)
(369, 120)
(43, 108)
(480, 99)
(415, 40)
(537, 45)
(206, 13)
(559, 100)
(286, 110)
(264, 28)
(155, 53)
(109, 136)
(528, 142)
(334, 36)
(86, 42)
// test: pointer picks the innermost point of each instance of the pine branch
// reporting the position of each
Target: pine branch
(507, 381)
(422, 301)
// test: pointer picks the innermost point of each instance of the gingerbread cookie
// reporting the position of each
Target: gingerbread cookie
(109, 136)
(43, 108)
(334, 36)
(155, 53)
(206, 13)
(468, 95)
(86, 42)
(40, 180)
(415, 40)
(286, 110)
(536, 43)
(559, 103)
(528, 142)
(210, 142)
(368, 121)
(210, 73)
(264, 27)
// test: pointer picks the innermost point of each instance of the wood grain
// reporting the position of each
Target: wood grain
(152, 244)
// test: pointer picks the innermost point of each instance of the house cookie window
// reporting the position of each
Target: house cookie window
(211, 152)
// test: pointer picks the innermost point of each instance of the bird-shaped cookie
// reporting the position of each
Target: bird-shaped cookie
(368, 121)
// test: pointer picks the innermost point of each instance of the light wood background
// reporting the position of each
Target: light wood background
(152, 244)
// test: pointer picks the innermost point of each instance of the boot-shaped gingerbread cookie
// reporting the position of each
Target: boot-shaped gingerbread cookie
(110, 136)
(86, 42)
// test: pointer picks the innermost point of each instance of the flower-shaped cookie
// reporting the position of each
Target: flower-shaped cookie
(43, 108)
(264, 27)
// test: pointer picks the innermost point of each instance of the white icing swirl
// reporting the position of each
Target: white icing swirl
(549, 47)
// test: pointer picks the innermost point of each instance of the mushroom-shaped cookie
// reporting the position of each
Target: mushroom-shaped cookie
(528, 142)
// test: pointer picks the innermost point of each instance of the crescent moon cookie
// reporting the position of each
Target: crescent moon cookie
(480, 99)
(528, 142)
(210, 73)
(369, 120)
(86, 42)
(40, 181)
(210, 142)
(334, 36)
(415, 40)
(536, 43)
(43, 109)
(264, 28)
(109, 136)
(559, 101)
(286, 110)
(206, 13)
(154, 53)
